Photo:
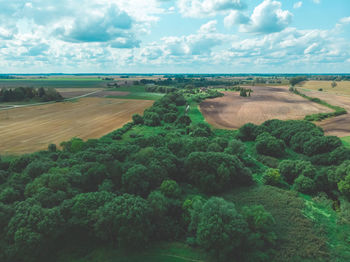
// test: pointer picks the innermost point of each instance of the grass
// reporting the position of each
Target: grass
(298, 238)
(136, 92)
(342, 88)
(165, 252)
(346, 141)
(335, 228)
(321, 116)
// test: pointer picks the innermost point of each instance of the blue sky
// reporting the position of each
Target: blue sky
(174, 36)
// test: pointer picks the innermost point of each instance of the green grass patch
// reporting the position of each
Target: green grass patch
(136, 92)
(297, 237)
(165, 252)
(335, 228)
(346, 141)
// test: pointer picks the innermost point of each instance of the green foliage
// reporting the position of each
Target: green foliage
(296, 80)
(138, 120)
(152, 119)
(200, 130)
(170, 189)
(125, 221)
(249, 132)
(266, 144)
(214, 172)
(304, 184)
(183, 121)
(272, 177)
(29, 93)
(221, 229)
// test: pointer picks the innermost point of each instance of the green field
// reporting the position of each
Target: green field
(136, 92)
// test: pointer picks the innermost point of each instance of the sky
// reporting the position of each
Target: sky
(174, 36)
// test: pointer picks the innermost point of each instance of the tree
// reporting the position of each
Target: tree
(135, 180)
(138, 120)
(266, 144)
(125, 221)
(221, 229)
(304, 184)
(333, 84)
(272, 177)
(170, 189)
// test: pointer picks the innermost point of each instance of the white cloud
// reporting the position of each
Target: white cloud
(205, 8)
(345, 20)
(235, 18)
(268, 17)
(209, 27)
(297, 5)
(316, 1)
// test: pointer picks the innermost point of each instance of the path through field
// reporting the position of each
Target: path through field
(32, 128)
(232, 111)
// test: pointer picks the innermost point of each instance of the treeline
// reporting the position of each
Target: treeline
(19, 94)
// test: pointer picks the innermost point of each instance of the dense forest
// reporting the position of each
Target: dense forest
(19, 94)
(163, 177)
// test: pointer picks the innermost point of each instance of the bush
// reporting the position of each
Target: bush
(183, 121)
(152, 119)
(304, 185)
(169, 117)
(200, 130)
(249, 132)
(137, 119)
(272, 177)
(221, 230)
(269, 145)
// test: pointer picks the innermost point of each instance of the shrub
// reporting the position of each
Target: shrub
(138, 120)
(183, 121)
(272, 177)
(304, 185)
(269, 145)
(152, 119)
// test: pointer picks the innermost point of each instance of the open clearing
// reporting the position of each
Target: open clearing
(25, 130)
(335, 126)
(342, 88)
(232, 111)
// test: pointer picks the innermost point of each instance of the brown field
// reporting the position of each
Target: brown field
(29, 129)
(336, 126)
(342, 88)
(232, 111)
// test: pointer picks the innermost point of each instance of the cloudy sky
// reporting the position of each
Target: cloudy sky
(174, 36)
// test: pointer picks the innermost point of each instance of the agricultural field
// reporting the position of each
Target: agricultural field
(232, 111)
(336, 126)
(342, 88)
(29, 129)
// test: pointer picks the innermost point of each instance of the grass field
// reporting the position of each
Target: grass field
(172, 252)
(342, 88)
(136, 92)
(29, 129)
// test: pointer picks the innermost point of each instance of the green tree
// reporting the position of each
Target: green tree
(221, 230)
(125, 221)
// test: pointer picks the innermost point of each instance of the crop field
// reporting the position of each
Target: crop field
(342, 88)
(232, 111)
(29, 129)
(94, 92)
(336, 126)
